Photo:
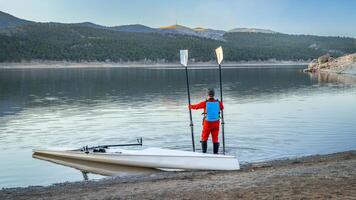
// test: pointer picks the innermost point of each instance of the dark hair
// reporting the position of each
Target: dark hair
(211, 92)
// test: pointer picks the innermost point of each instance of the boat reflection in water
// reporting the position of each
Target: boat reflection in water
(104, 169)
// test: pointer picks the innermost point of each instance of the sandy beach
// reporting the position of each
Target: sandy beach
(330, 176)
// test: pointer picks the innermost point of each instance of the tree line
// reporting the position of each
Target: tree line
(58, 42)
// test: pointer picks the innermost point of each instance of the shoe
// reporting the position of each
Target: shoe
(204, 146)
(216, 147)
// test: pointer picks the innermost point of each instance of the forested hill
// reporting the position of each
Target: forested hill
(79, 42)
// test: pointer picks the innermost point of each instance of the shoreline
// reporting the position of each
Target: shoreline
(316, 176)
(65, 64)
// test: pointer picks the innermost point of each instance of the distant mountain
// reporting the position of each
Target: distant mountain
(7, 20)
(251, 30)
(177, 29)
(198, 32)
(91, 25)
(210, 33)
(92, 42)
(135, 28)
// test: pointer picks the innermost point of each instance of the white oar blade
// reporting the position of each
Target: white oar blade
(219, 54)
(184, 57)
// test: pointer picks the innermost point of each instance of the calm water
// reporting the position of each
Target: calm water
(270, 113)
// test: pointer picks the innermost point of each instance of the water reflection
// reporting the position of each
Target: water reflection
(270, 113)
(49, 87)
(344, 79)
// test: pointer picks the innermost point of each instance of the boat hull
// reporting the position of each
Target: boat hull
(152, 158)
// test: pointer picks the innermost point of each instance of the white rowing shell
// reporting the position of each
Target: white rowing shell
(152, 158)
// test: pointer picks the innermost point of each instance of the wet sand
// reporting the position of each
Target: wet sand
(314, 177)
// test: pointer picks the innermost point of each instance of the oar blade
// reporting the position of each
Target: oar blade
(184, 57)
(219, 54)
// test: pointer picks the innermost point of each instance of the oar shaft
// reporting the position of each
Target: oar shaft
(107, 146)
(222, 112)
(220, 79)
(119, 145)
(190, 111)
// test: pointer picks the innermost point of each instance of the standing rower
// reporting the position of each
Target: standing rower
(211, 121)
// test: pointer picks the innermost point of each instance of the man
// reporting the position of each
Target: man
(211, 121)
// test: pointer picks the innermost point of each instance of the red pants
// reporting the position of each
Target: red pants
(210, 127)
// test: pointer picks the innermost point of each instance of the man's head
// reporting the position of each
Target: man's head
(211, 93)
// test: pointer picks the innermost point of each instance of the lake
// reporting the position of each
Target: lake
(270, 113)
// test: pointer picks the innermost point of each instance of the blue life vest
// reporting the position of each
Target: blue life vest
(212, 110)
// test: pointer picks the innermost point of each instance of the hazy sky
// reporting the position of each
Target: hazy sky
(319, 17)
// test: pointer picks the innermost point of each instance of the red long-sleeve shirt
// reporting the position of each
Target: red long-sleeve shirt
(202, 105)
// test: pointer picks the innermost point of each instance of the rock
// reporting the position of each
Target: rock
(331, 59)
(312, 66)
(344, 64)
(323, 59)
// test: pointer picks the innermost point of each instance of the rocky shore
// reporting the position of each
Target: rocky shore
(314, 177)
(341, 65)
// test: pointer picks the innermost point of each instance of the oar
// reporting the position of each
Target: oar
(220, 57)
(184, 62)
(86, 148)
